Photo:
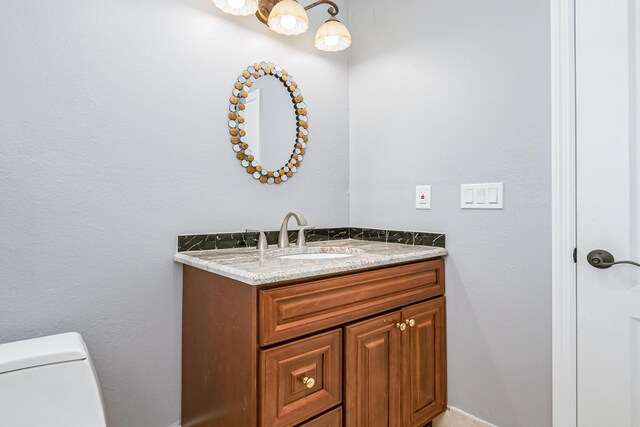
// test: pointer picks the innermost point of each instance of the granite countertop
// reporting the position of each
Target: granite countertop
(255, 267)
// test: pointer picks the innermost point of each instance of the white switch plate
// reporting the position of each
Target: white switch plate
(482, 196)
(423, 197)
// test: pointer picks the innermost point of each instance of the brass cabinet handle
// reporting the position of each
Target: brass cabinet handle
(309, 382)
(401, 326)
(411, 322)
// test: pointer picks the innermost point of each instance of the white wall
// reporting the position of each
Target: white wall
(113, 140)
(446, 92)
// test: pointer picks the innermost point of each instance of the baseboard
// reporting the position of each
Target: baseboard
(454, 417)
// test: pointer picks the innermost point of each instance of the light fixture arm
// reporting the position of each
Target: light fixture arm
(333, 9)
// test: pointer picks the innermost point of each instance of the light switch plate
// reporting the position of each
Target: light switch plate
(423, 197)
(482, 196)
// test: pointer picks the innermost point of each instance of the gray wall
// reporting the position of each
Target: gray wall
(113, 140)
(446, 92)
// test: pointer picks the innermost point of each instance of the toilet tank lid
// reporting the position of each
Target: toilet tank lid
(42, 351)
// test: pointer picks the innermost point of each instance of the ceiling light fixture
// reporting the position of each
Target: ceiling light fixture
(333, 36)
(237, 7)
(289, 17)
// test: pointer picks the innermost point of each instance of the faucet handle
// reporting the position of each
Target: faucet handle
(262, 240)
(302, 239)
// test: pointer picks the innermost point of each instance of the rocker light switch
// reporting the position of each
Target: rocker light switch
(492, 195)
(482, 196)
(468, 196)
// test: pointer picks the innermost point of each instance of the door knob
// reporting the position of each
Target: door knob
(401, 326)
(600, 258)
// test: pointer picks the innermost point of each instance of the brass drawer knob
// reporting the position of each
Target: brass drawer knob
(411, 322)
(309, 382)
(401, 326)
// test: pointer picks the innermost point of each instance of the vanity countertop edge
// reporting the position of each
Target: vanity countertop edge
(254, 267)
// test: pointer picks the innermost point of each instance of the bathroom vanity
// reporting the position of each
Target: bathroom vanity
(273, 340)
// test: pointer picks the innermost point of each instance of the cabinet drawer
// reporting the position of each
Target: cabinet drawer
(300, 379)
(330, 419)
(296, 310)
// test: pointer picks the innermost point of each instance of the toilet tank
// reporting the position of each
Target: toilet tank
(49, 381)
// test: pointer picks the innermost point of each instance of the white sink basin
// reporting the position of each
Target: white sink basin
(316, 256)
(315, 253)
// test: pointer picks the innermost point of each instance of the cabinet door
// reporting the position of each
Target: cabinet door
(372, 372)
(424, 382)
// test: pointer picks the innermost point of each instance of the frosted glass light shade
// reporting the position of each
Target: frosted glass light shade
(237, 7)
(289, 18)
(333, 36)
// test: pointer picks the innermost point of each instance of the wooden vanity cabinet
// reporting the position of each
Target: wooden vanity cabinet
(359, 349)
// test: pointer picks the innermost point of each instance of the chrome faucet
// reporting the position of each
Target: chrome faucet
(283, 238)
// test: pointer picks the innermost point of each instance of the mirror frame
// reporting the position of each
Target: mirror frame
(238, 133)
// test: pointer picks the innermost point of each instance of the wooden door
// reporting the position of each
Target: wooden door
(423, 392)
(372, 372)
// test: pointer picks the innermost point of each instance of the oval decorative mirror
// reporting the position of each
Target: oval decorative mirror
(268, 123)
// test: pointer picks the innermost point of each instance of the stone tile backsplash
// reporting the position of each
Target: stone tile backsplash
(202, 242)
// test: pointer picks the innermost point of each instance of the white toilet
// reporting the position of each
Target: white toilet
(49, 381)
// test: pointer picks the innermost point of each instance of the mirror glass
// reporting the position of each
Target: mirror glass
(270, 122)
